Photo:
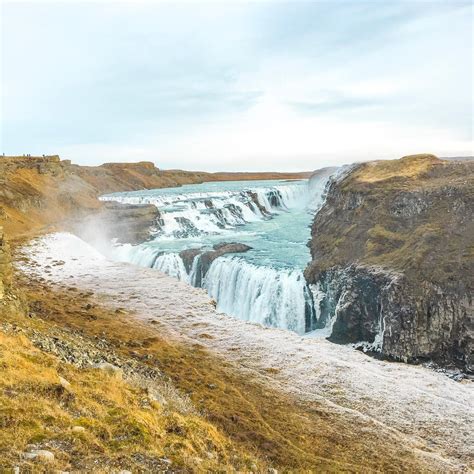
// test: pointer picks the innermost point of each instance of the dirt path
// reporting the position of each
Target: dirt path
(395, 409)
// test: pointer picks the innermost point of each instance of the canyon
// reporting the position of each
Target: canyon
(388, 270)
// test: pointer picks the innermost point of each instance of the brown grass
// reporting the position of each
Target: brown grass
(121, 426)
(406, 167)
(243, 417)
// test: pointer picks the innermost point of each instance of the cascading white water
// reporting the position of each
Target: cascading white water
(266, 285)
(264, 295)
(137, 254)
(169, 263)
(172, 265)
(192, 214)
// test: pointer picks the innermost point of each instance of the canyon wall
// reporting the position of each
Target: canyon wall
(393, 260)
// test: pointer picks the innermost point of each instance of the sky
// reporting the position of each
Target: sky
(242, 86)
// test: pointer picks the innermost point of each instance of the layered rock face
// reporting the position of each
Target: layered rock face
(37, 193)
(393, 260)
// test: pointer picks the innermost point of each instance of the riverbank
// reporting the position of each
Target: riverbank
(358, 413)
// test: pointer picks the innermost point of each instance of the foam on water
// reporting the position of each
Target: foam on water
(265, 295)
(266, 284)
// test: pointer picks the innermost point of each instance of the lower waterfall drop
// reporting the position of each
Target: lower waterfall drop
(264, 295)
(265, 285)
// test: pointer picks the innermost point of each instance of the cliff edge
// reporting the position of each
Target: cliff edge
(393, 259)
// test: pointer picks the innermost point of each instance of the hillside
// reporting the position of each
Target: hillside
(38, 194)
(108, 366)
(76, 400)
(393, 247)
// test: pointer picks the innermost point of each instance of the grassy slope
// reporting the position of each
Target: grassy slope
(435, 242)
(237, 422)
(122, 427)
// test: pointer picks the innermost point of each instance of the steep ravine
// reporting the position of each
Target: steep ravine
(393, 260)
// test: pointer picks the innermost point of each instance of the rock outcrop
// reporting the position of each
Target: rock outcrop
(126, 223)
(206, 257)
(393, 260)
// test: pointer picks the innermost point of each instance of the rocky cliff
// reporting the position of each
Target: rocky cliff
(393, 259)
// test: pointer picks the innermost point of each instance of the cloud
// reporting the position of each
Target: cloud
(236, 86)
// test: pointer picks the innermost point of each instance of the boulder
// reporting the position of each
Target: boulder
(208, 256)
(109, 368)
(39, 455)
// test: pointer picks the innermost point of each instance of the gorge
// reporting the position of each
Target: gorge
(246, 245)
(388, 270)
(259, 278)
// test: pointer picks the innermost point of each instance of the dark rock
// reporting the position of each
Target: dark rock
(187, 256)
(256, 202)
(127, 223)
(220, 249)
(206, 257)
(233, 247)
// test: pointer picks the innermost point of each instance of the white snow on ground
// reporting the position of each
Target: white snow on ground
(428, 411)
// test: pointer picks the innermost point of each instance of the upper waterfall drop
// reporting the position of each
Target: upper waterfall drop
(191, 214)
(266, 283)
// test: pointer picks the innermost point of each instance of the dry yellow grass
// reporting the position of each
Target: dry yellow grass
(408, 167)
(122, 426)
(243, 423)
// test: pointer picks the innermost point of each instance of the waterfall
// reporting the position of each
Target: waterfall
(169, 263)
(172, 265)
(251, 289)
(137, 254)
(200, 213)
(275, 298)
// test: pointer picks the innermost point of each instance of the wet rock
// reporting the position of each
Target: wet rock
(188, 255)
(221, 249)
(206, 257)
(233, 247)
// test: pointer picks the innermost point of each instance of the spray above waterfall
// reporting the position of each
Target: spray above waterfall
(272, 218)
